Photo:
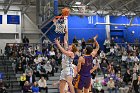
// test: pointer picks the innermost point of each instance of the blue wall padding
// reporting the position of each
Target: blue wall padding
(56, 7)
(80, 27)
(127, 31)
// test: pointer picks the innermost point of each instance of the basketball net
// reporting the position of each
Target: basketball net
(60, 24)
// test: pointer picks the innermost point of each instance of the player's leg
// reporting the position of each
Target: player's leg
(62, 85)
(69, 81)
(79, 91)
(62, 82)
(86, 90)
(87, 85)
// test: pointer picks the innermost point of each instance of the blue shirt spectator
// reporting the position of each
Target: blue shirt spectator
(1, 75)
(35, 88)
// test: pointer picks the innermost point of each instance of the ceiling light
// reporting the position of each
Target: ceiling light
(78, 3)
(75, 9)
(78, 6)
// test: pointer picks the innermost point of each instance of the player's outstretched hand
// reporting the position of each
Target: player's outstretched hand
(57, 41)
(95, 37)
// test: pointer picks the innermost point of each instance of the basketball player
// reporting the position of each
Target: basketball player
(66, 88)
(85, 67)
(67, 59)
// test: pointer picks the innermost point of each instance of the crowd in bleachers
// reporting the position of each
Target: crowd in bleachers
(119, 64)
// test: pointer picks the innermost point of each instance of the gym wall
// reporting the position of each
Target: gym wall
(126, 31)
(84, 27)
(9, 33)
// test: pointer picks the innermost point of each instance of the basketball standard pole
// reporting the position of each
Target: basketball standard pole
(55, 7)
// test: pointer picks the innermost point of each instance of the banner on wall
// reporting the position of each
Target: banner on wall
(0, 19)
(13, 19)
(90, 20)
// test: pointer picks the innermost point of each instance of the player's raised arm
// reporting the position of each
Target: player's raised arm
(94, 52)
(68, 53)
(66, 39)
(80, 61)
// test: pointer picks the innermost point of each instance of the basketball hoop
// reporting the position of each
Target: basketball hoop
(59, 21)
(60, 25)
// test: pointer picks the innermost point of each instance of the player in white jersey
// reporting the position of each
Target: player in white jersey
(66, 88)
(67, 59)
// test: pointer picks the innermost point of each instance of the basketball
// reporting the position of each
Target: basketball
(65, 11)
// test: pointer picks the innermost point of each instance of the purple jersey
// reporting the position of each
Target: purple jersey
(85, 68)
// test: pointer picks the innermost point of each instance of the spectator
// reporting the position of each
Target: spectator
(79, 47)
(2, 86)
(104, 67)
(26, 87)
(136, 66)
(89, 41)
(119, 74)
(96, 61)
(135, 58)
(112, 51)
(45, 41)
(102, 55)
(7, 50)
(35, 88)
(112, 42)
(41, 70)
(75, 40)
(136, 85)
(22, 79)
(113, 75)
(44, 58)
(38, 70)
(30, 78)
(34, 68)
(83, 44)
(135, 80)
(121, 85)
(111, 86)
(135, 74)
(127, 77)
(54, 66)
(28, 70)
(129, 48)
(23, 60)
(1, 75)
(128, 61)
(48, 69)
(19, 67)
(52, 53)
(51, 46)
(42, 85)
(37, 59)
(97, 87)
(25, 41)
(107, 45)
(110, 68)
(117, 68)
(124, 57)
(59, 58)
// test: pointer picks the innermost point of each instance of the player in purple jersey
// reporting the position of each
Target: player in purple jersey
(85, 67)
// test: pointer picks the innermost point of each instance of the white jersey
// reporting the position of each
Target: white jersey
(66, 61)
